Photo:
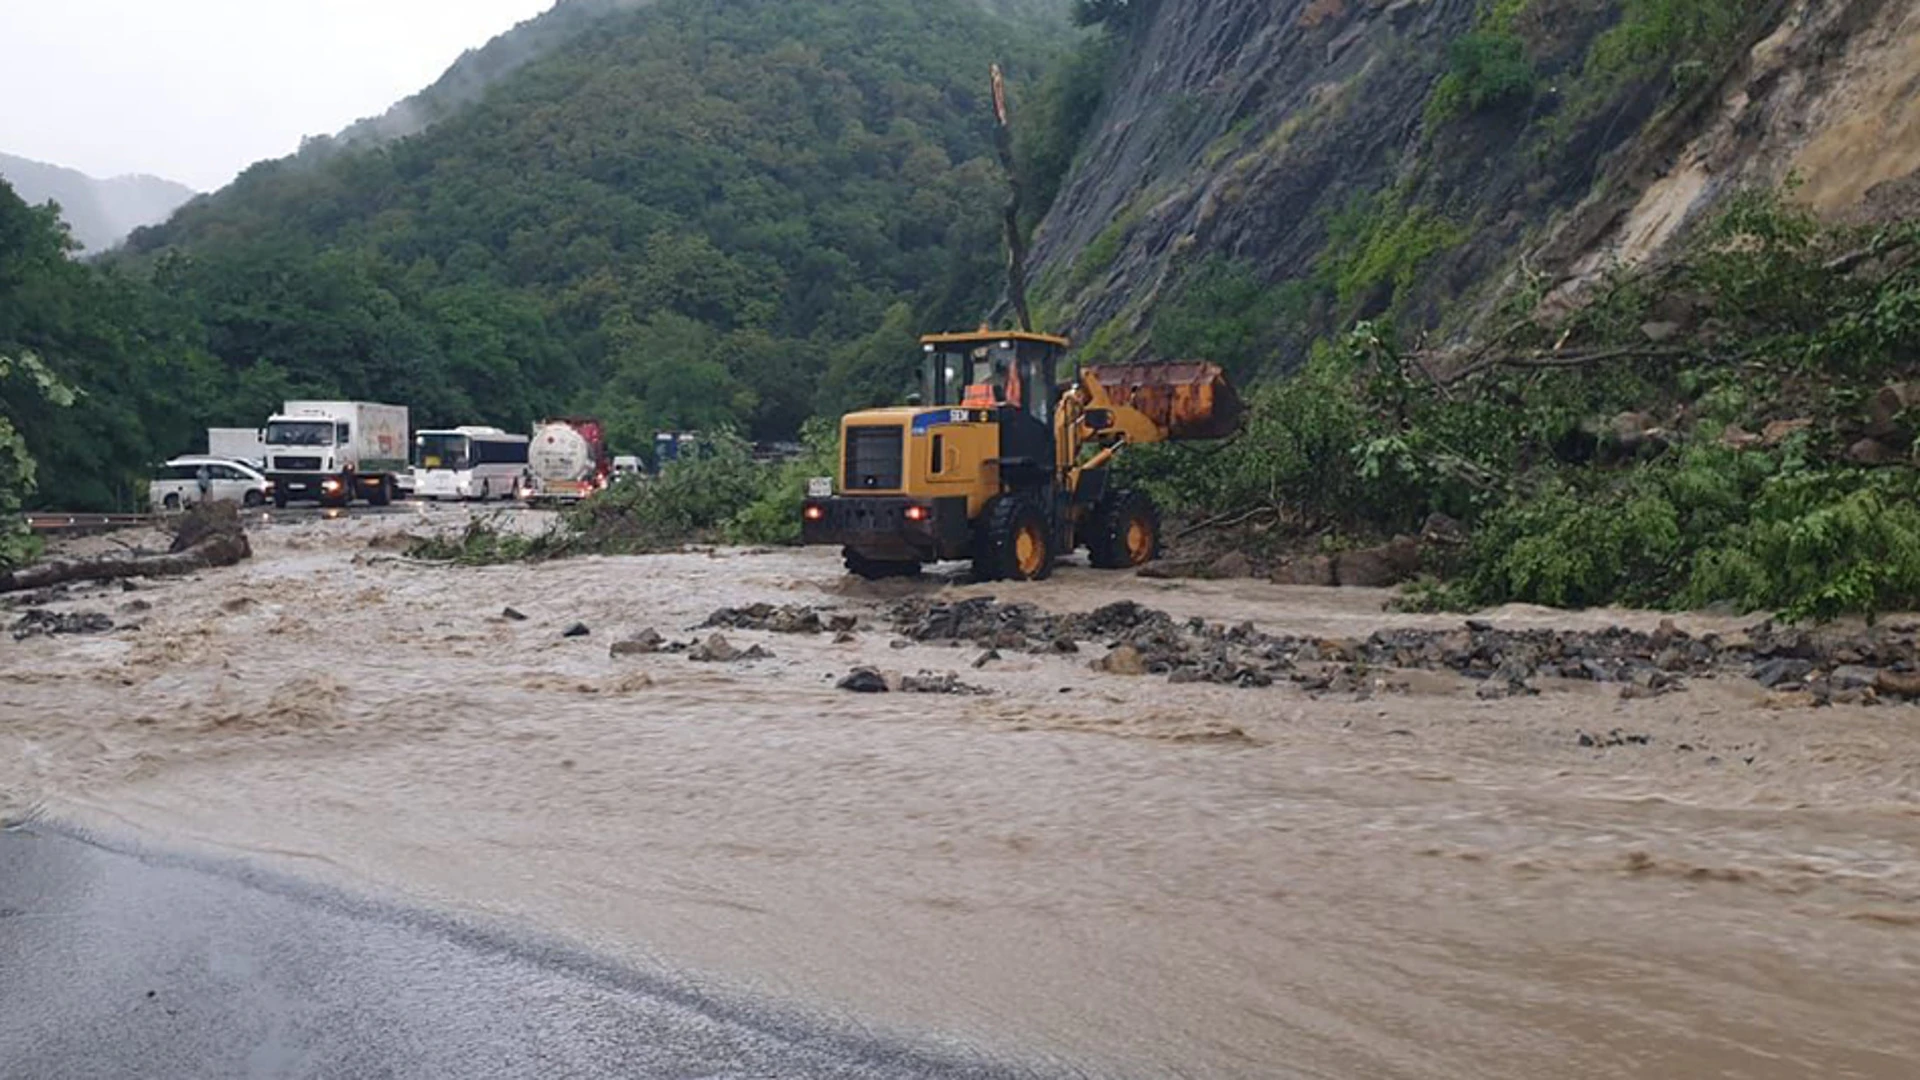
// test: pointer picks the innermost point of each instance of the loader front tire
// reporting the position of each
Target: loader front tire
(1124, 532)
(1017, 544)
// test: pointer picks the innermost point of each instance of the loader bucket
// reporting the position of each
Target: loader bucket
(1189, 399)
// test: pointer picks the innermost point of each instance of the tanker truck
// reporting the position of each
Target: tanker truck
(568, 460)
(1001, 465)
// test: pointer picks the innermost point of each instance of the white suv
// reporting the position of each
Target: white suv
(179, 484)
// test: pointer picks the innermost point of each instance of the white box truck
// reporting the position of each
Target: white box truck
(333, 452)
(238, 444)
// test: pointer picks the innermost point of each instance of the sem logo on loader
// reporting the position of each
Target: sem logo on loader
(940, 417)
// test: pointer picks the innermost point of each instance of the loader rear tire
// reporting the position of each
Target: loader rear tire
(877, 569)
(1017, 544)
(1124, 532)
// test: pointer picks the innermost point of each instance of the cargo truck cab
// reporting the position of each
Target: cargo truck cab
(335, 452)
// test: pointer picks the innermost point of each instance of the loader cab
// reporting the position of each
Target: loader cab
(1009, 374)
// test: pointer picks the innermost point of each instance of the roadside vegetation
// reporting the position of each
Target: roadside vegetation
(1735, 427)
(720, 496)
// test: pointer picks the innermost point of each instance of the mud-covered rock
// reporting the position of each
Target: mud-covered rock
(718, 650)
(1378, 567)
(944, 682)
(864, 680)
(206, 521)
(578, 629)
(1902, 684)
(1123, 660)
(1784, 671)
(640, 644)
(778, 620)
(1305, 570)
(1233, 564)
(38, 622)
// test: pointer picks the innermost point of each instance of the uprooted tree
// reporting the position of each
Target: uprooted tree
(209, 535)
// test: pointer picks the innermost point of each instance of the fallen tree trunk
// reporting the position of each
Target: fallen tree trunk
(209, 536)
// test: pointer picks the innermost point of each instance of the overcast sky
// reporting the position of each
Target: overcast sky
(196, 90)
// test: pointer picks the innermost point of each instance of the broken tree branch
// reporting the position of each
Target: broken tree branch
(210, 535)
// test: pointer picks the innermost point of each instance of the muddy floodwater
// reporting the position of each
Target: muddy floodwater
(1078, 871)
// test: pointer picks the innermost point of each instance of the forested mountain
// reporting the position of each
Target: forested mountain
(100, 212)
(687, 214)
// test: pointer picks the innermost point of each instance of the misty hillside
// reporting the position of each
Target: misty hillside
(100, 212)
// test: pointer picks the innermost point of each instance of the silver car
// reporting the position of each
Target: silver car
(196, 478)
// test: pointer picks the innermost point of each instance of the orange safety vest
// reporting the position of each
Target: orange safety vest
(979, 396)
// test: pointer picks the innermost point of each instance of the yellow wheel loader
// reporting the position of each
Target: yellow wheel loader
(1000, 464)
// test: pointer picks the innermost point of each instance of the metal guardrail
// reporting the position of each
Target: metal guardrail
(49, 523)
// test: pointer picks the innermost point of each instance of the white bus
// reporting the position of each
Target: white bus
(468, 463)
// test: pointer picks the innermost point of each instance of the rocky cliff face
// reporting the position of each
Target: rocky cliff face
(1301, 142)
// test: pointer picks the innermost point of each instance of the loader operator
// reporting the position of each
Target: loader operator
(1002, 385)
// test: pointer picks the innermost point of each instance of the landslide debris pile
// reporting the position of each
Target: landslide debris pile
(1830, 665)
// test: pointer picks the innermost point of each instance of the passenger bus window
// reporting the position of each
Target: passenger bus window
(939, 453)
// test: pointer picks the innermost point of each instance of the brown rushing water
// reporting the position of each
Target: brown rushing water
(1128, 877)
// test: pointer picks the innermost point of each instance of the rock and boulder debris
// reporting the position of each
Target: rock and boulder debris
(845, 637)
(1873, 452)
(1123, 660)
(944, 682)
(986, 658)
(1852, 677)
(1378, 567)
(1780, 431)
(1505, 661)
(791, 619)
(864, 680)
(640, 644)
(39, 622)
(1904, 684)
(512, 615)
(135, 606)
(1233, 564)
(1781, 672)
(1439, 530)
(1305, 570)
(1885, 413)
(1611, 739)
(578, 629)
(715, 650)
(718, 650)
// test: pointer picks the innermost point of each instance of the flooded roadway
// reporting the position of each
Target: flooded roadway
(1088, 872)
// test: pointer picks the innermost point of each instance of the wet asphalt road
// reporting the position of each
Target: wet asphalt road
(118, 965)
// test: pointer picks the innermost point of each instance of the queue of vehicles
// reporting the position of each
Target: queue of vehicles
(337, 453)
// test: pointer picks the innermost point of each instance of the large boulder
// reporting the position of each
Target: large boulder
(208, 521)
(1378, 567)
(1305, 570)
